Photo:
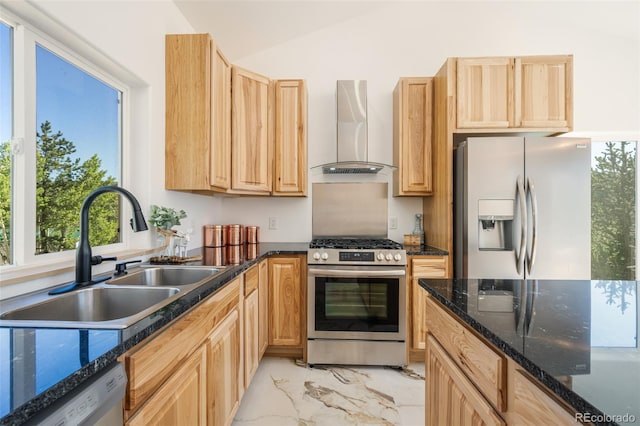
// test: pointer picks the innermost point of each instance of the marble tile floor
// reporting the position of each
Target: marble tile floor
(284, 393)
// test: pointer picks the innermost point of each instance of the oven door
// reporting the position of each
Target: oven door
(356, 302)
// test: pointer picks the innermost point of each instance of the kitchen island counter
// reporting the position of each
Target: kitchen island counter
(578, 338)
(38, 366)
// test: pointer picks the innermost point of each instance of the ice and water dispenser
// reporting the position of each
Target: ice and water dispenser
(495, 224)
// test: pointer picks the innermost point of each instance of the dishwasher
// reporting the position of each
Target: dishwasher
(96, 402)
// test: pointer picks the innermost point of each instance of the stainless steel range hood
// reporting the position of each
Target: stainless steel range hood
(352, 138)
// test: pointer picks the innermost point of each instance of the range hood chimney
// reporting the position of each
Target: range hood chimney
(352, 137)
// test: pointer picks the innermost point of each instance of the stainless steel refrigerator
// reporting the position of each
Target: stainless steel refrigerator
(522, 208)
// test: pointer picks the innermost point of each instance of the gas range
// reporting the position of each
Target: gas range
(356, 251)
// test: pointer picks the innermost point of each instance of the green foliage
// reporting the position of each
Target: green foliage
(613, 210)
(62, 184)
(5, 203)
(165, 217)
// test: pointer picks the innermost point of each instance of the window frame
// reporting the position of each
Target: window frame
(26, 37)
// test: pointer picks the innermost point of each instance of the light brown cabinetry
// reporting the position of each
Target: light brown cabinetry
(197, 114)
(469, 381)
(263, 307)
(290, 165)
(287, 298)
(412, 134)
(163, 357)
(251, 324)
(181, 399)
(529, 403)
(251, 131)
(451, 398)
(223, 371)
(532, 92)
(421, 267)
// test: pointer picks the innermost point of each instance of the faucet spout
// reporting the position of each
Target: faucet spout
(83, 252)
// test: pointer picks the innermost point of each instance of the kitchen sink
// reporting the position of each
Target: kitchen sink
(90, 305)
(165, 276)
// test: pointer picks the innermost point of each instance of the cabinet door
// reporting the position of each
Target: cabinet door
(252, 141)
(251, 355)
(423, 267)
(188, 119)
(412, 150)
(223, 371)
(451, 399)
(285, 302)
(544, 91)
(290, 172)
(485, 93)
(181, 399)
(221, 121)
(263, 308)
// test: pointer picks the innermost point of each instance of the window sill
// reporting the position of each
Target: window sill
(21, 274)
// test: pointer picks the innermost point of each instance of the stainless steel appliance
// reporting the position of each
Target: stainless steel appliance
(522, 208)
(356, 278)
(356, 302)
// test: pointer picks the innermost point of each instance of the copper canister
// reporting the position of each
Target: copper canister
(215, 256)
(252, 234)
(235, 254)
(234, 235)
(252, 251)
(214, 236)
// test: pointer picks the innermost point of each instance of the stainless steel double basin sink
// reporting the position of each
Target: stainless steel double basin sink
(115, 304)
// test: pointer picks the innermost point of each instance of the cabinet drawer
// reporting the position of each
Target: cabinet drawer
(149, 364)
(484, 366)
(251, 280)
(532, 405)
(433, 267)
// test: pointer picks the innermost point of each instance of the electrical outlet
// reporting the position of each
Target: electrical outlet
(273, 222)
(393, 222)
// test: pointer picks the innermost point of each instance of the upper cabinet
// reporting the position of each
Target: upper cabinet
(251, 131)
(225, 124)
(412, 133)
(523, 93)
(197, 114)
(290, 168)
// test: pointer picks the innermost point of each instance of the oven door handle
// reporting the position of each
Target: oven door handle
(359, 273)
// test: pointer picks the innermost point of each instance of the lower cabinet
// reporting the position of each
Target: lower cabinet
(263, 307)
(287, 311)
(451, 398)
(421, 267)
(251, 348)
(470, 382)
(189, 372)
(181, 399)
(223, 371)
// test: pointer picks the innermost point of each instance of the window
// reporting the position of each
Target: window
(614, 215)
(61, 135)
(6, 120)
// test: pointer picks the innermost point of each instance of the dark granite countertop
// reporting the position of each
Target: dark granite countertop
(579, 338)
(424, 250)
(38, 366)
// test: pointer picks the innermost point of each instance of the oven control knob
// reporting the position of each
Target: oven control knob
(325, 256)
(380, 256)
(397, 257)
(316, 256)
(389, 257)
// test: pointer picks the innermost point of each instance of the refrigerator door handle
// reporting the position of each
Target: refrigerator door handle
(531, 192)
(520, 255)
